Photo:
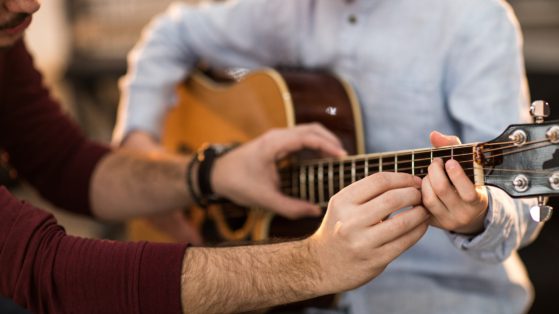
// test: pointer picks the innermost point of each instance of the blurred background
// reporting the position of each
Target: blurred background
(81, 47)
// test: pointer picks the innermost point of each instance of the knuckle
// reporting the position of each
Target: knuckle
(440, 188)
(358, 249)
(470, 197)
(462, 219)
(271, 134)
(400, 224)
(429, 199)
(380, 179)
(338, 199)
(389, 200)
(316, 125)
(415, 195)
(405, 242)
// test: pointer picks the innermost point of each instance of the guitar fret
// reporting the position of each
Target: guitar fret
(412, 164)
(303, 182)
(353, 171)
(341, 174)
(330, 179)
(320, 183)
(311, 184)
(295, 191)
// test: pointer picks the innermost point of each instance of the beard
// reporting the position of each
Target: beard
(13, 22)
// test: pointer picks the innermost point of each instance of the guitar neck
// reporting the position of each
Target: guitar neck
(318, 180)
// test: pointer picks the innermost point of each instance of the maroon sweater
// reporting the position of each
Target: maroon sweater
(42, 268)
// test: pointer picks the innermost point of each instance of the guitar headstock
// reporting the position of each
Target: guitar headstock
(524, 160)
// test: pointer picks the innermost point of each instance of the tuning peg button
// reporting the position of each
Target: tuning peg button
(541, 213)
(521, 183)
(539, 110)
(552, 134)
(518, 137)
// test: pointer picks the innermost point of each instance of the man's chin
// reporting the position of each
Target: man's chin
(8, 41)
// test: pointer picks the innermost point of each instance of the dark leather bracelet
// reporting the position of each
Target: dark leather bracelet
(206, 156)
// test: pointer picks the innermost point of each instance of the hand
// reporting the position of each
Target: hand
(354, 244)
(248, 175)
(458, 206)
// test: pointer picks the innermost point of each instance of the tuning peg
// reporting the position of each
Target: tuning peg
(539, 110)
(541, 212)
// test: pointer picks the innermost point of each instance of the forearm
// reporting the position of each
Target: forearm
(239, 279)
(126, 184)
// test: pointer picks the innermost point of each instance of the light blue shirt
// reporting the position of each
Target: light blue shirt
(454, 66)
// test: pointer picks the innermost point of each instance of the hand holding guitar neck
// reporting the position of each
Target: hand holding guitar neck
(354, 242)
(457, 205)
(248, 175)
(352, 246)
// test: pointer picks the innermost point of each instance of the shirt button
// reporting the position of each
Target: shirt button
(352, 19)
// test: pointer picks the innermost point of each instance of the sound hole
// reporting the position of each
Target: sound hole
(235, 218)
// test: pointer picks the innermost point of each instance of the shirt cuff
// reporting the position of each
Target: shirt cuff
(489, 245)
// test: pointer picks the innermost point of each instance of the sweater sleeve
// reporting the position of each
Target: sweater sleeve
(46, 271)
(44, 145)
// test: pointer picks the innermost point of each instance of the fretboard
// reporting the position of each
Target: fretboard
(318, 180)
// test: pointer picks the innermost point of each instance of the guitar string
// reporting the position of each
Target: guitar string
(419, 151)
(545, 174)
(348, 172)
(327, 162)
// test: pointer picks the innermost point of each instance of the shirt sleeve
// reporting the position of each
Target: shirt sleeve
(46, 271)
(222, 34)
(45, 146)
(487, 91)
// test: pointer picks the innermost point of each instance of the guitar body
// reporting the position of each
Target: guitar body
(226, 112)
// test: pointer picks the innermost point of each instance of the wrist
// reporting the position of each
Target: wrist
(310, 249)
(199, 174)
(474, 228)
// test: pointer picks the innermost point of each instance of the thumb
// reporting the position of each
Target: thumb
(439, 140)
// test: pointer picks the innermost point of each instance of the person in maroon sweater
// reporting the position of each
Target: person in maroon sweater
(46, 271)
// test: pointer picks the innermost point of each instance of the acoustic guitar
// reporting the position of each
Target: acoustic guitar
(239, 110)
(523, 161)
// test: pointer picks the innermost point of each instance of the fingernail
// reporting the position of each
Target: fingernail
(417, 181)
(451, 164)
(343, 153)
(436, 159)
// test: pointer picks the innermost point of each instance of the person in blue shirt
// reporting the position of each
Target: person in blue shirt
(453, 66)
